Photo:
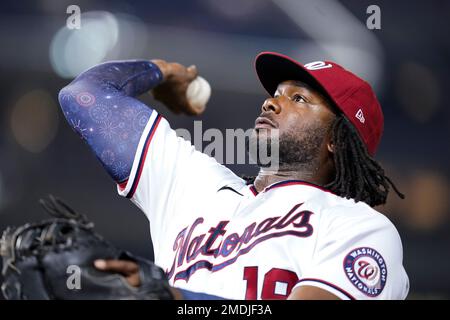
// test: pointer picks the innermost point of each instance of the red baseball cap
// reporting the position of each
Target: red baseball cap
(352, 95)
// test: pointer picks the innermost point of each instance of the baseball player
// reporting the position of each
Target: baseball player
(305, 231)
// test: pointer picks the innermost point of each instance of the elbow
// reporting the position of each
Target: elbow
(73, 97)
(65, 97)
(70, 101)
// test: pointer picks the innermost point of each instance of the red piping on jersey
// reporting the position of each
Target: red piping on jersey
(122, 185)
(348, 295)
(290, 183)
(253, 190)
(143, 156)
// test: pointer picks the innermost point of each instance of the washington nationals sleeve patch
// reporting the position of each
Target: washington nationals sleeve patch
(366, 270)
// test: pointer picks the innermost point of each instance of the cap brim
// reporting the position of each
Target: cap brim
(273, 68)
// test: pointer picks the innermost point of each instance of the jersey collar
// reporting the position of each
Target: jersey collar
(287, 183)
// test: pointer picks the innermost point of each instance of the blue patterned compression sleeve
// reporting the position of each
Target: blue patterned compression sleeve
(100, 106)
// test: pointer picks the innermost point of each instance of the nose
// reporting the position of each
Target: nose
(271, 104)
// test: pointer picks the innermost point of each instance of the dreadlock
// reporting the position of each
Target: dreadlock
(357, 175)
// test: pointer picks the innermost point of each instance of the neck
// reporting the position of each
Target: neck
(302, 172)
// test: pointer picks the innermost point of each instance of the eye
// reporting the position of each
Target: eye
(298, 98)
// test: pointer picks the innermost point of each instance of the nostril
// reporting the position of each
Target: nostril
(268, 106)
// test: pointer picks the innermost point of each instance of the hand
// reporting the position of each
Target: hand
(128, 269)
(172, 91)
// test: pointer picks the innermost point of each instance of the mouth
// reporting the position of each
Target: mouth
(265, 123)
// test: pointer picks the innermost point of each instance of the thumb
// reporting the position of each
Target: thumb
(192, 72)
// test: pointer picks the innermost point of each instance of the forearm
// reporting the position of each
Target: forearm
(100, 106)
(128, 77)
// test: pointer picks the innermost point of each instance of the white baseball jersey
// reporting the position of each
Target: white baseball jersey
(212, 233)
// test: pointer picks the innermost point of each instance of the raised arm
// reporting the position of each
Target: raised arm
(101, 106)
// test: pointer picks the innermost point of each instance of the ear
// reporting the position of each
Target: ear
(330, 147)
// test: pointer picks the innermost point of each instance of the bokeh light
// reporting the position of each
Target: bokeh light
(418, 91)
(428, 200)
(74, 50)
(133, 40)
(427, 203)
(34, 120)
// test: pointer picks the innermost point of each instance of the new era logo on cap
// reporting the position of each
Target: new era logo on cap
(360, 116)
(351, 94)
(317, 65)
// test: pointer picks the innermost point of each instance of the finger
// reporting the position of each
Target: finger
(192, 72)
(120, 266)
(134, 280)
(123, 266)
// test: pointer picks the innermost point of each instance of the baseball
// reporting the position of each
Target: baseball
(198, 93)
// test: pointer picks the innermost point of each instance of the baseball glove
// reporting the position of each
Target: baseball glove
(53, 259)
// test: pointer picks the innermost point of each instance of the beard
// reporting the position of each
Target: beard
(289, 150)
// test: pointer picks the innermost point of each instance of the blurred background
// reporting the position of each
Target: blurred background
(406, 61)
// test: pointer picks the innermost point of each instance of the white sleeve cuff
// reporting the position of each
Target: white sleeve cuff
(128, 187)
